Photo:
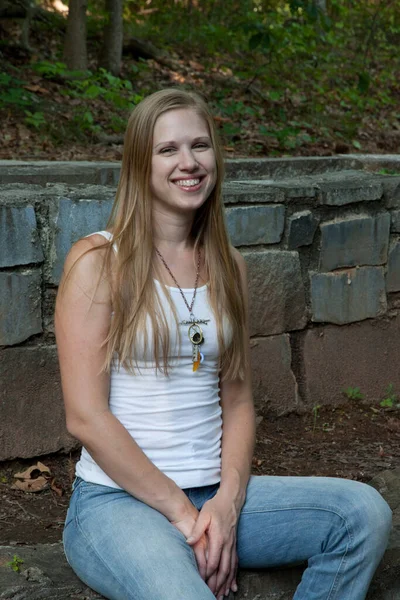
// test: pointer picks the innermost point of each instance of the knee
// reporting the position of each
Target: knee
(369, 515)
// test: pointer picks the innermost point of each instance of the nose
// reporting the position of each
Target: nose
(187, 160)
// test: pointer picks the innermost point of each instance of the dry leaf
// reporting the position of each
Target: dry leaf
(36, 88)
(28, 474)
(33, 479)
(59, 491)
(31, 485)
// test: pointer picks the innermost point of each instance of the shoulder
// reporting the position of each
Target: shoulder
(85, 266)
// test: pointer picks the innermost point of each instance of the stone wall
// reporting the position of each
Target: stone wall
(321, 238)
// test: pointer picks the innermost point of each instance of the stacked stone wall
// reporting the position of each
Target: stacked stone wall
(321, 239)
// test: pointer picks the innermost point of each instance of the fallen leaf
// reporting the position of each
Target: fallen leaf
(59, 491)
(222, 119)
(32, 485)
(36, 88)
(34, 479)
(28, 474)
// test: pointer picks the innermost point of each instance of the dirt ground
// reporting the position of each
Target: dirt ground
(354, 441)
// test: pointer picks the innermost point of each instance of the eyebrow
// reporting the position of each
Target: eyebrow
(202, 138)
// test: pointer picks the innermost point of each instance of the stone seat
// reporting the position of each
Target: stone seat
(46, 575)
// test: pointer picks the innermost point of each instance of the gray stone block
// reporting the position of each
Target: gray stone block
(395, 221)
(71, 172)
(69, 221)
(348, 296)
(283, 168)
(393, 269)
(276, 291)
(265, 191)
(20, 306)
(32, 420)
(363, 355)
(19, 241)
(274, 384)
(391, 190)
(339, 193)
(249, 225)
(355, 240)
(302, 227)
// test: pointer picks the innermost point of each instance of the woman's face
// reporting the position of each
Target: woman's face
(183, 168)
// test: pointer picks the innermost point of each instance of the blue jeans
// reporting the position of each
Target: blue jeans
(126, 550)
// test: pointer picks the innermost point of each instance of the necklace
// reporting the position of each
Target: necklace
(195, 333)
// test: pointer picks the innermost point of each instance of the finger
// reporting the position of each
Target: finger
(224, 571)
(231, 580)
(211, 582)
(234, 586)
(200, 555)
(215, 545)
(198, 530)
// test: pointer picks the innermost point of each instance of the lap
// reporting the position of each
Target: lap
(123, 548)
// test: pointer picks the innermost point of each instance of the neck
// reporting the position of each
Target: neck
(172, 232)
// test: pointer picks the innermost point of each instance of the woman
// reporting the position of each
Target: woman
(152, 337)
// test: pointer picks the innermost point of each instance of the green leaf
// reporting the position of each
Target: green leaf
(275, 96)
(364, 81)
(94, 91)
(356, 144)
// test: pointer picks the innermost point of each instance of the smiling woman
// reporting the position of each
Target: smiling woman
(183, 168)
(152, 334)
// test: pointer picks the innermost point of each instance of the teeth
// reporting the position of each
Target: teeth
(187, 182)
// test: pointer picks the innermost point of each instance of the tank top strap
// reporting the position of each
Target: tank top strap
(107, 235)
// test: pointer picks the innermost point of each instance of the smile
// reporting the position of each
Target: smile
(187, 182)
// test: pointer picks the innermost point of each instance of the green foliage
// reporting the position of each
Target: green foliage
(353, 393)
(315, 412)
(390, 398)
(36, 119)
(15, 563)
(280, 74)
(12, 92)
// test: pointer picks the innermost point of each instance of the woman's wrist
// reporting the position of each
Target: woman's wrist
(181, 508)
(233, 487)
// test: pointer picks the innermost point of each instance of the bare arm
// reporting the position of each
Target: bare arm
(82, 321)
(238, 417)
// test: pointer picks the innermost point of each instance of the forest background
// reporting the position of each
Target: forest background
(298, 77)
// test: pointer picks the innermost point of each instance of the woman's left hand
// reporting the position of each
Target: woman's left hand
(218, 519)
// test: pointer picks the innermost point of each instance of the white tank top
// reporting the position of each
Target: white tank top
(175, 419)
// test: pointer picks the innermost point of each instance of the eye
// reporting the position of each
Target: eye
(201, 146)
(167, 150)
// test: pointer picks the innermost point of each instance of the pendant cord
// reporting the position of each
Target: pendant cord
(189, 307)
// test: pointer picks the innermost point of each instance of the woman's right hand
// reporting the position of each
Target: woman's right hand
(185, 526)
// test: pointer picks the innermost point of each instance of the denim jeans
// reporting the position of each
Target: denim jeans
(126, 550)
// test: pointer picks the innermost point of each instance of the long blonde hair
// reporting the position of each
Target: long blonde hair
(134, 295)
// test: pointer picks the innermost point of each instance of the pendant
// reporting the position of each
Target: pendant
(195, 334)
(196, 337)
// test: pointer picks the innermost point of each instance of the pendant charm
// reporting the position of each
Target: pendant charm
(196, 337)
(195, 334)
(196, 358)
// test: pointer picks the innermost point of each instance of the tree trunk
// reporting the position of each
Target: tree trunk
(75, 53)
(321, 5)
(111, 52)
